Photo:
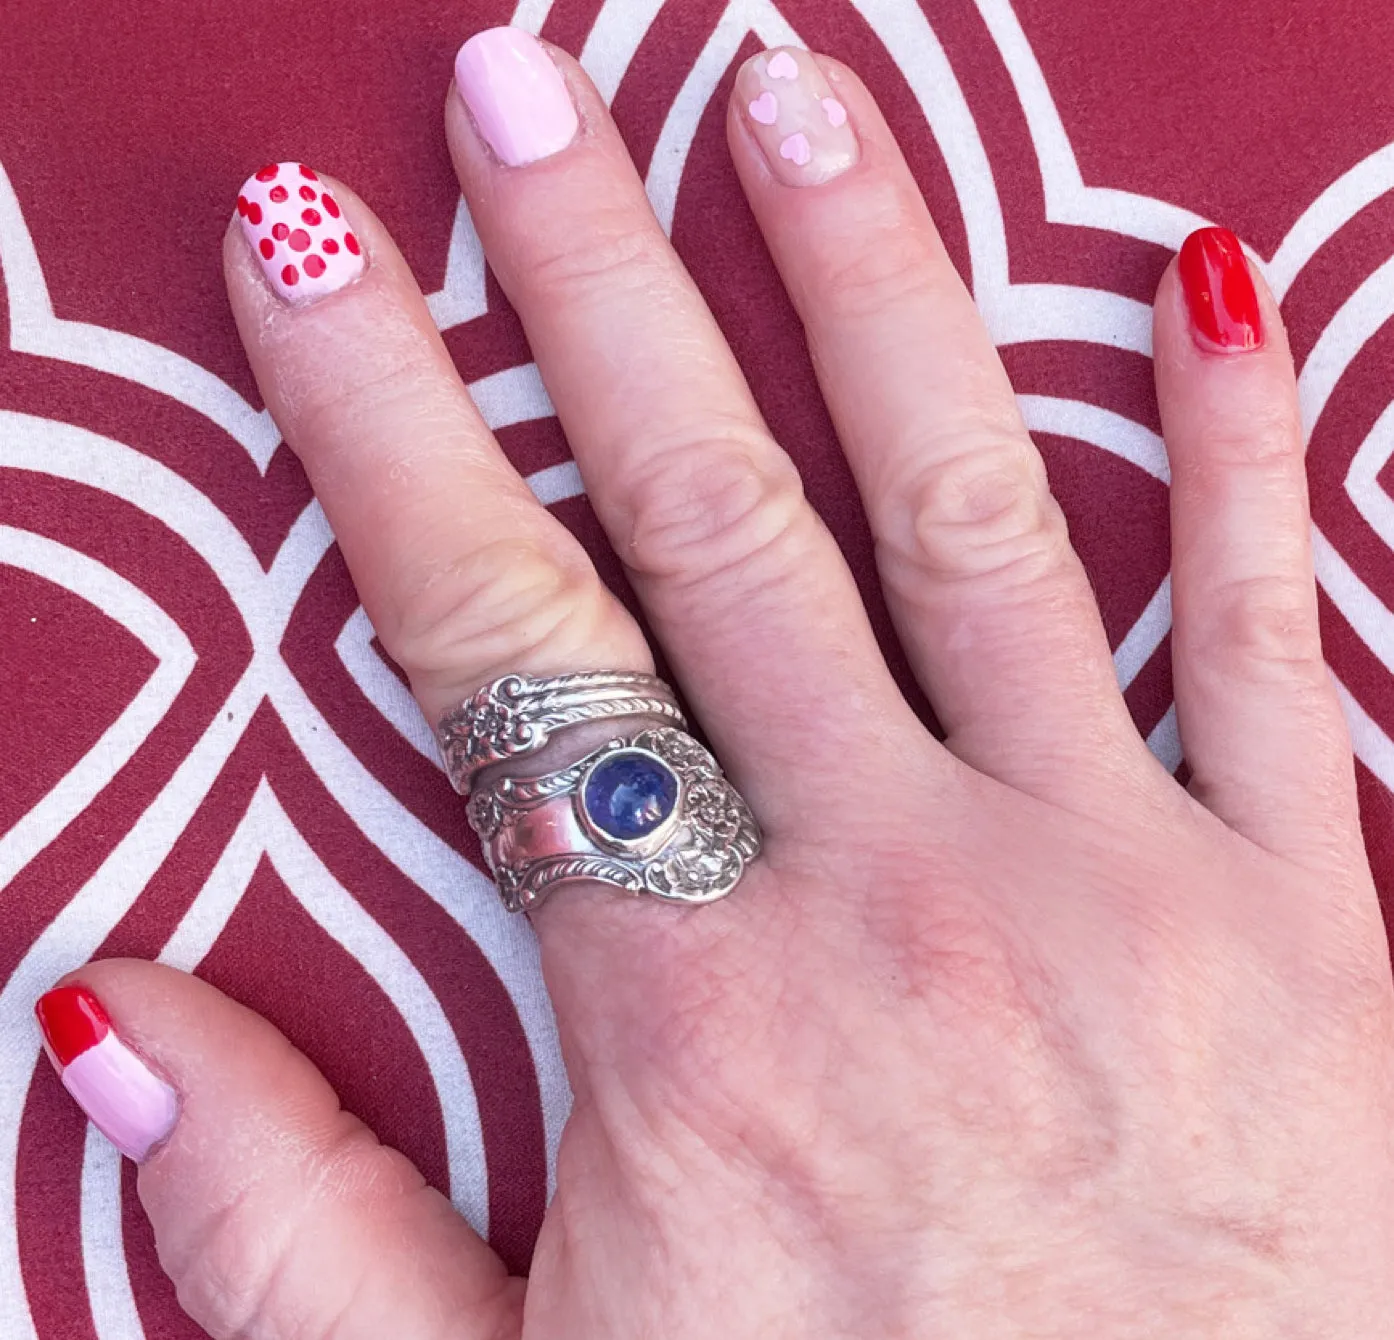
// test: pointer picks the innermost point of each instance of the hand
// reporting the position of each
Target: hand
(1008, 1035)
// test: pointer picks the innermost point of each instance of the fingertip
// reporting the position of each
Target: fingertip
(795, 123)
(200, 1041)
(102, 1058)
(127, 987)
(1226, 386)
(313, 343)
(1214, 302)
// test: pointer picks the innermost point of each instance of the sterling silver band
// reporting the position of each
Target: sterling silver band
(541, 833)
(517, 714)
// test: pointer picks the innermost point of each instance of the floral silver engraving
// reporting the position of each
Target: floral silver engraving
(703, 853)
(517, 715)
(485, 813)
(722, 835)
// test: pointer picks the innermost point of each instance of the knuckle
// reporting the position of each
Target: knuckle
(329, 399)
(239, 1269)
(1266, 435)
(980, 509)
(596, 260)
(883, 270)
(494, 605)
(222, 1272)
(1262, 626)
(700, 510)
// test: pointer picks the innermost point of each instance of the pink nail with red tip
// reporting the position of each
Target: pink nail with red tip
(298, 232)
(131, 1105)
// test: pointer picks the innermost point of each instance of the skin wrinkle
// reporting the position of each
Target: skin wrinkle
(769, 1167)
(801, 1226)
(224, 1287)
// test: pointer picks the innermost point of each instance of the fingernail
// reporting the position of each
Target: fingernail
(1220, 292)
(298, 232)
(131, 1105)
(516, 95)
(798, 121)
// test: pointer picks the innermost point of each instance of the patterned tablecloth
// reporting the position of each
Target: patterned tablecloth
(205, 757)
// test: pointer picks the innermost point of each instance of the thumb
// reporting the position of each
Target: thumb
(276, 1213)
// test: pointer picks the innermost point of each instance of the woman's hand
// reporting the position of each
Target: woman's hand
(1004, 1036)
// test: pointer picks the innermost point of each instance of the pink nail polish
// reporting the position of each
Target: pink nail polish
(795, 117)
(298, 232)
(131, 1105)
(516, 95)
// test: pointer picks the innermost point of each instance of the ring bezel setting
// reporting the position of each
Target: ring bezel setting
(655, 814)
(692, 843)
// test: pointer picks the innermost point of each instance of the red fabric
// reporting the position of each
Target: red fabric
(267, 812)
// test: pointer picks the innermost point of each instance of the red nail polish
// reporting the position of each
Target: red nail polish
(73, 1021)
(1220, 291)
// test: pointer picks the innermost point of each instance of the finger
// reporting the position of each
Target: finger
(990, 600)
(464, 575)
(276, 1213)
(1259, 719)
(744, 586)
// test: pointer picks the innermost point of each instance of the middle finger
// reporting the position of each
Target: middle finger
(743, 584)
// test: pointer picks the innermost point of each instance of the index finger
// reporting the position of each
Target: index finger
(464, 575)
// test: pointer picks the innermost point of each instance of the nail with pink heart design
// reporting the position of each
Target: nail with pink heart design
(796, 117)
(298, 232)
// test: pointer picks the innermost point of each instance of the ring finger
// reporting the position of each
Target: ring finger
(991, 601)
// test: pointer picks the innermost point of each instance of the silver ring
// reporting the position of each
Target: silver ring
(516, 715)
(648, 812)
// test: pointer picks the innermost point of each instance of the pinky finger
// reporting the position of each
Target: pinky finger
(276, 1213)
(1260, 722)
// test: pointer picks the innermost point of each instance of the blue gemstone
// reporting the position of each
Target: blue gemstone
(629, 794)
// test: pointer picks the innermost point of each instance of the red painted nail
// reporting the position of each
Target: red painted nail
(1220, 291)
(73, 1022)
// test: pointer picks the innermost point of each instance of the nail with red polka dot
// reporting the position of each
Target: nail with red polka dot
(298, 232)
